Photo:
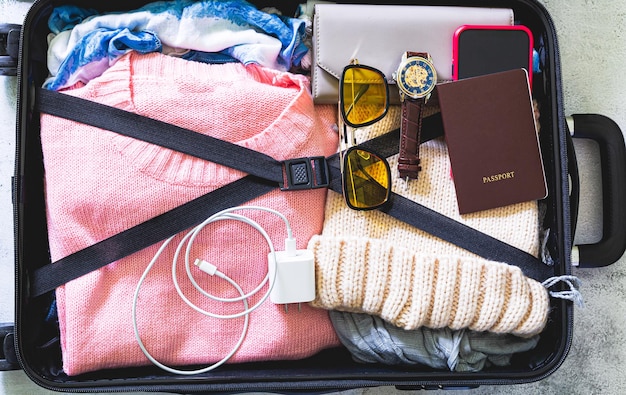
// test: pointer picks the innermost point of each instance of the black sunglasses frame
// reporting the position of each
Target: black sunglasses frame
(346, 157)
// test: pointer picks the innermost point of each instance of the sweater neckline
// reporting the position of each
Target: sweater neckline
(282, 137)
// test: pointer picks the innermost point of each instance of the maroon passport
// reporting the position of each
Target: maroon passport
(492, 140)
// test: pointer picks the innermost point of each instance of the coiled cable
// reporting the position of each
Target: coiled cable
(187, 243)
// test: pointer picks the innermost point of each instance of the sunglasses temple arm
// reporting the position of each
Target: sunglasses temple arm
(344, 141)
(341, 129)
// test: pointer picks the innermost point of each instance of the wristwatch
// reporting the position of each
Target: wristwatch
(416, 78)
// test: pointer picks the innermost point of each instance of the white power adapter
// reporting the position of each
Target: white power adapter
(294, 276)
(291, 272)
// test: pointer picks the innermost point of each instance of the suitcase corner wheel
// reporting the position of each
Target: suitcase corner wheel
(8, 357)
(9, 48)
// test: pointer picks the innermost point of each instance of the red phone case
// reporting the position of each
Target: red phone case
(460, 30)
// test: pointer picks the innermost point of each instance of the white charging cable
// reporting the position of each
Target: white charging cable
(187, 243)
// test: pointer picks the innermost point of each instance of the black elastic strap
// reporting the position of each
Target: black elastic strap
(49, 277)
(465, 237)
(446, 228)
(145, 234)
(160, 133)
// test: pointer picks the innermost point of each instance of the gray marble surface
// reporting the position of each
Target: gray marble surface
(592, 38)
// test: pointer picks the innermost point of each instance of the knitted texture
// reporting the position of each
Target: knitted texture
(99, 183)
(413, 290)
(369, 262)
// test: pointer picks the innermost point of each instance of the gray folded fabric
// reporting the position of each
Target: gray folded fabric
(373, 340)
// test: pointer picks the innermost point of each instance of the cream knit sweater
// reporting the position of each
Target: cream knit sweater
(367, 261)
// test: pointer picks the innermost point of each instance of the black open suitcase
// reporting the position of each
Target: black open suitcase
(333, 369)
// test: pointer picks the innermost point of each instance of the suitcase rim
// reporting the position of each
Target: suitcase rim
(562, 217)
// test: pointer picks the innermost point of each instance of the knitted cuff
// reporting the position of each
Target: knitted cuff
(411, 290)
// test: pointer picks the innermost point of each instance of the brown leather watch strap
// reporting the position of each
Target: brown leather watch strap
(420, 54)
(408, 160)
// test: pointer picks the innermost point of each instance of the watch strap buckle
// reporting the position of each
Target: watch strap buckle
(409, 170)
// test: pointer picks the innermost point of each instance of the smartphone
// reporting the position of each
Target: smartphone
(480, 50)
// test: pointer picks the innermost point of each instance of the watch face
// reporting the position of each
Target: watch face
(417, 77)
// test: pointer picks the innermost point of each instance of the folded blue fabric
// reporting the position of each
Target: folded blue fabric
(68, 16)
(373, 340)
(97, 51)
(233, 28)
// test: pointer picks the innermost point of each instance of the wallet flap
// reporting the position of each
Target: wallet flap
(378, 35)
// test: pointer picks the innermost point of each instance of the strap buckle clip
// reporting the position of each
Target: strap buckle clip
(305, 173)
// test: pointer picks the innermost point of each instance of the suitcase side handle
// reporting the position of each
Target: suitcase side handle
(610, 140)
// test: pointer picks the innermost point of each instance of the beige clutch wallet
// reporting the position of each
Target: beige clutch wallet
(378, 35)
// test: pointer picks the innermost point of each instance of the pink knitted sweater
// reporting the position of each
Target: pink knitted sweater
(99, 183)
